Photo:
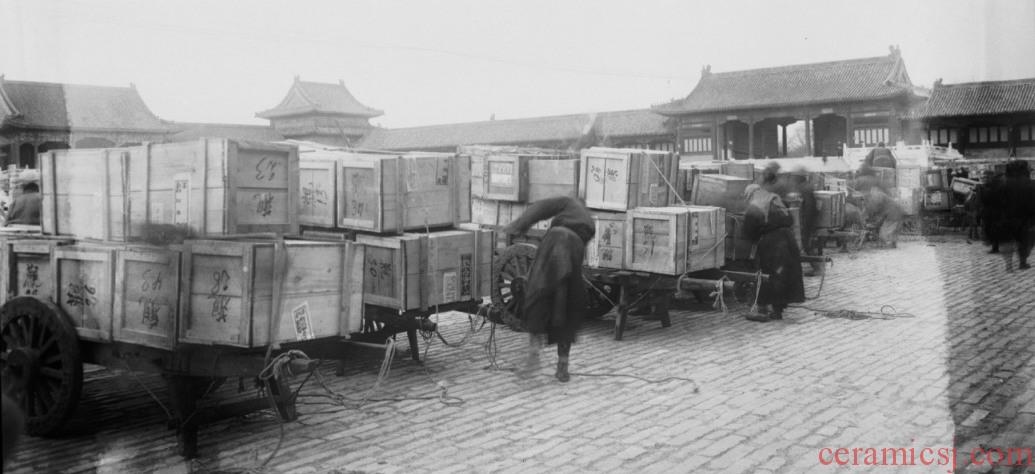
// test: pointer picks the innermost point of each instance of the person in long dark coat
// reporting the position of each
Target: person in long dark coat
(989, 199)
(769, 225)
(555, 299)
(1018, 214)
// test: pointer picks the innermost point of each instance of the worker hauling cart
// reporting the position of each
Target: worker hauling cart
(555, 298)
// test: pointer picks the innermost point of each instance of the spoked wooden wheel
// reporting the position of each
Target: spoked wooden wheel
(509, 274)
(41, 364)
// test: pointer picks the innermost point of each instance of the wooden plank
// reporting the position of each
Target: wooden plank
(26, 268)
(146, 305)
(318, 182)
(706, 242)
(84, 282)
(656, 240)
(506, 177)
(552, 177)
(720, 190)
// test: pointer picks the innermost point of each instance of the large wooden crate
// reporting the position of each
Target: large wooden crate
(607, 248)
(84, 282)
(622, 179)
(909, 200)
(936, 179)
(393, 194)
(549, 178)
(493, 213)
(318, 189)
(204, 187)
(740, 170)
(910, 177)
(831, 208)
(675, 240)
(832, 183)
(228, 292)
(720, 190)
(25, 267)
(419, 271)
(737, 246)
(147, 294)
(937, 200)
(963, 186)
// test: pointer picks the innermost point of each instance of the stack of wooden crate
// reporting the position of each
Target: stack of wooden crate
(404, 212)
(166, 244)
(642, 222)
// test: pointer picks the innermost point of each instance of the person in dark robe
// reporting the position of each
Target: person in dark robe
(555, 299)
(989, 200)
(888, 214)
(13, 423)
(1018, 214)
(25, 209)
(808, 214)
(768, 224)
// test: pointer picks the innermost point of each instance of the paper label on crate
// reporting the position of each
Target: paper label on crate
(303, 322)
(501, 174)
(181, 199)
(449, 287)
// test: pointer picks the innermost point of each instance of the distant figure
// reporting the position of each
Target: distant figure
(808, 213)
(1018, 211)
(768, 224)
(990, 203)
(887, 212)
(555, 298)
(25, 209)
(880, 157)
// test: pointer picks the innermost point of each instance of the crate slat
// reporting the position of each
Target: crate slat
(607, 248)
(84, 278)
(721, 191)
(147, 292)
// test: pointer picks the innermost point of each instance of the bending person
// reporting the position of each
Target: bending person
(767, 224)
(555, 298)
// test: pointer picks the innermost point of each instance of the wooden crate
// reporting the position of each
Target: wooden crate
(622, 179)
(228, 292)
(84, 283)
(936, 179)
(909, 200)
(675, 240)
(147, 293)
(506, 177)
(418, 271)
(720, 190)
(910, 177)
(963, 186)
(831, 208)
(492, 213)
(513, 176)
(317, 189)
(25, 267)
(607, 248)
(831, 183)
(393, 194)
(205, 187)
(552, 177)
(937, 200)
(740, 170)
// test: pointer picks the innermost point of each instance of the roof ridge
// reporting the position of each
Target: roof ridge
(774, 69)
(520, 119)
(1027, 80)
(66, 84)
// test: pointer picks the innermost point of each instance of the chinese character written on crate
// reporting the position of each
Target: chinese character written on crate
(466, 276)
(80, 293)
(596, 172)
(220, 302)
(312, 195)
(151, 303)
(380, 276)
(266, 169)
(31, 284)
(647, 249)
(357, 203)
(264, 204)
(612, 174)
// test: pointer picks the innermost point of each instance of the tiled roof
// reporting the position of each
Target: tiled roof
(545, 130)
(70, 106)
(835, 81)
(978, 98)
(308, 97)
(631, 123)
(184, 131)
(560, 128)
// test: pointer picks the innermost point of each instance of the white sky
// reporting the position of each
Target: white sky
(444, 61)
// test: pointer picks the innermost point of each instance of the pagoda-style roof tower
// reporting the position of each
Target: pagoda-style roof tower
(320, 112)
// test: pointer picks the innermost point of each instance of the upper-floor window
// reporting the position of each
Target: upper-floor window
(870, 135)
(1026, 132)
(697, 145)
(998, 134)
(943, 136)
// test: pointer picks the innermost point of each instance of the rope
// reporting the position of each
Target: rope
(720, 300)
(667, 183)
(758, 290)
(887, 312)
(650, 381)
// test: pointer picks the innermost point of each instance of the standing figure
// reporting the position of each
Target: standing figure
(887, 212)
(768, 224)
(809, 215)
(25, 209)
(555, 298)
(990, 201)
(1018, 211)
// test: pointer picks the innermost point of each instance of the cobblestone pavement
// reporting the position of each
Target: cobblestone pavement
(956, 371)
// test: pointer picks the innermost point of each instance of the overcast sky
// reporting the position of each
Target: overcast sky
(448, 61)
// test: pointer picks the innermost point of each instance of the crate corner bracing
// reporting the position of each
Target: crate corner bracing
(675, 240)
(205, 187)
(619, 179)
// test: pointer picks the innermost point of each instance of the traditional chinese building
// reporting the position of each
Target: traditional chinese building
(640, 128)
(39, 116)
(993, 119)
(323, 113)
(747, 114)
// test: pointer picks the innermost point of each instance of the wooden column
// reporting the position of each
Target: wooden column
(849, 125)
(808, 134)
(751, 137)
(783, 129)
